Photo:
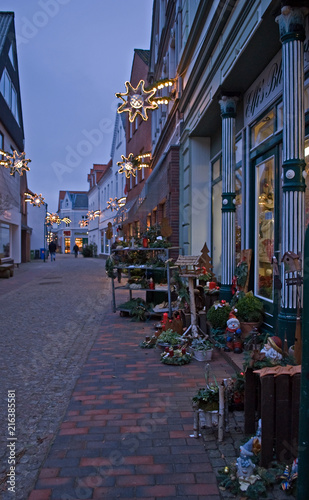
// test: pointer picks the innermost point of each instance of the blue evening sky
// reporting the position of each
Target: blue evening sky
(73, 56)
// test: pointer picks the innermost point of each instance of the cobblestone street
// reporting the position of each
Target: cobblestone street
(50, 316)
(97, 416)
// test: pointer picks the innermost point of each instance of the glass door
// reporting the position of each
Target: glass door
(264, 227)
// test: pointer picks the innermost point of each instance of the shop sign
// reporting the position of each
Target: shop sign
(66, 233)
(264, 90)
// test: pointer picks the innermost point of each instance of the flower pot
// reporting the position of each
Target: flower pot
(209, 418)
(203, 355)
(246, 328)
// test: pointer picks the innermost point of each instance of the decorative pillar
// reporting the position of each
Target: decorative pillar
(292, 34)
(228, 114)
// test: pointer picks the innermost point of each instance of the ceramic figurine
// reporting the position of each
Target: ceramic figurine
(273, 349)
(232, 325)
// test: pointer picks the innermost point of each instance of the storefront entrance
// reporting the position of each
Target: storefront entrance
(67, 245)
(267, 231)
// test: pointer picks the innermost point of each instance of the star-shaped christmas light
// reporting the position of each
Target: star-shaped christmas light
(66, 220)
(52, 218)
(35, 199)
(83, 223)
(16, 162)
(127, 166)
(116, 203)
(112, 204)
(92, 214)
(137, 101)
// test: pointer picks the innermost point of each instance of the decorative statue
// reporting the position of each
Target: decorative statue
(245, 466)
(233, 342)
(273, 349)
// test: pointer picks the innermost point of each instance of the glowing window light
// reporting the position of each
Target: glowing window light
(35, 199)
(16, 162)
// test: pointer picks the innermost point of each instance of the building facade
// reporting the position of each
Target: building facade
(242, 68)
(14, 230)
(74, 206)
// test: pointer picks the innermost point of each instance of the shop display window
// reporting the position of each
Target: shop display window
(238, 213)
(216, 228)
(264, 228)
(307, 182)
(263, 129)
(4, 240)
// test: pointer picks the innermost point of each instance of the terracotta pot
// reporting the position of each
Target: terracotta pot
(246, 328)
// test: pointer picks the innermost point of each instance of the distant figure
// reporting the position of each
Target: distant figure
(76, 249)
(52, 250)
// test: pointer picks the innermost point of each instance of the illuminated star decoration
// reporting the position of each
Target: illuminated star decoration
(55, 219)
(112, 204)
(35, 199)
(83, 223)
(92, 214)
(127, 166)
(116, 203)
(52, 218)
(15, 162)
(137, 101)
(66, 220)
(130, 165)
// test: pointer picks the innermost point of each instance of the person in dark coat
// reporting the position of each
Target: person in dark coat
(76, 249)
(52, 250)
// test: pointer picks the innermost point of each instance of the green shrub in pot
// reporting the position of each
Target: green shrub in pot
(218, 315)
(249, 309)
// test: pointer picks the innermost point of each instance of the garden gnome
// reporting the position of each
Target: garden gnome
(245, 466)
(273, 349)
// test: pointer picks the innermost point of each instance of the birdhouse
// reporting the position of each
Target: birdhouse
(189, 265)
(292, 262)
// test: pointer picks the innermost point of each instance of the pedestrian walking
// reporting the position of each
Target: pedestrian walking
(52, 250)
(76, 249)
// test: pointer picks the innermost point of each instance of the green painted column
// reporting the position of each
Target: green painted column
(292, 34)
(228, 114)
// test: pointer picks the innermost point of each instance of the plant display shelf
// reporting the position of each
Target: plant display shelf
(145, 268)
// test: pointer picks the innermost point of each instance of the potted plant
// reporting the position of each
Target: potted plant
(218, 315)
(169, 338)
(207, 398)
(250, 312)
(202, 349)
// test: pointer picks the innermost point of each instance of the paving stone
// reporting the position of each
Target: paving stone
(98, 416)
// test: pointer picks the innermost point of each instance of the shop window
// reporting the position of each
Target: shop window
(306, 98)
(67, 245)
(238, 212)
(216, 228)
(102, 241)
(280, 116)
(216, 169)
(263, 129)
(4, 240)
(106, 244)
(264, 228)
(307, 182)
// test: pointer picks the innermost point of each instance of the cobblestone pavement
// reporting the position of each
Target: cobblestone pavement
(50, 315)
(97, 416)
